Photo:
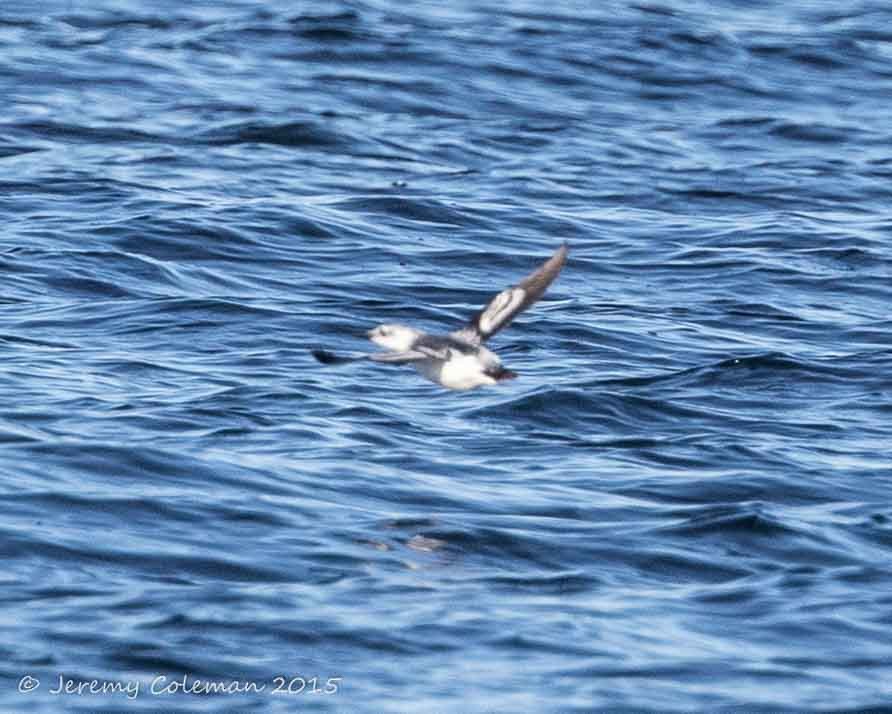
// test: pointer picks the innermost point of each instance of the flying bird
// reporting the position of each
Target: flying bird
(459, 360)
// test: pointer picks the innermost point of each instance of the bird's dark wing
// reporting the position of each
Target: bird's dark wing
(509, 303)
(398, 357)
(434, 346)
(326, 357)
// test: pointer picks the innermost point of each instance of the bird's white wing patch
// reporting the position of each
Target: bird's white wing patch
(501, 309)
(505, 306)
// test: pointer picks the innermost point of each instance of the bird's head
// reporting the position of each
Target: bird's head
(398, 338)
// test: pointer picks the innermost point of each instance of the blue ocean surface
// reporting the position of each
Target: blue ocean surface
(682, 503)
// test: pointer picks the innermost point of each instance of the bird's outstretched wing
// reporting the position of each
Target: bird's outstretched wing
(398, 357)
(326, 357)
(422, 349)
(509, 303)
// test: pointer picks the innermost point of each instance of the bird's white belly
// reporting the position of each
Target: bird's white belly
(464, 372)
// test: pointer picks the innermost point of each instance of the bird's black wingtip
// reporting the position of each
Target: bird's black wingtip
(324, 356)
